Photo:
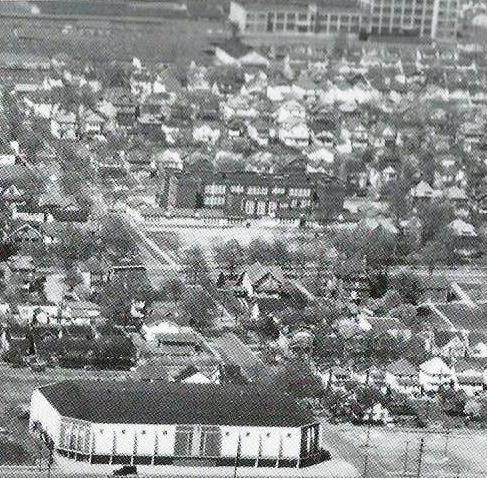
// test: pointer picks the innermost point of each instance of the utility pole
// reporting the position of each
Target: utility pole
(420, 457)
(447, 439)
(50, 460)
(237, 456)
(367, 445)
(405, 469)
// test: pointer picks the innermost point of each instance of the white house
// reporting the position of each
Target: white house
(7, 155)
(289, 110)
(294, 132)
(205, 133)
(64, 125)
(435, 373)
(403, 377)
(471, 376)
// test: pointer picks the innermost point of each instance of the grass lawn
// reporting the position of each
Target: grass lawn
(171, 40)
(12, 453)
(17, 446)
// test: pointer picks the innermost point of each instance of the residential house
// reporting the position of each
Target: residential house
(423, 192)
(91, 123)
(31, 213)
(465, 238)
(125, 107)
(93, 271)
(21, 264)
(288, 110)
(206, 132)
(294, 132)
(193, 374)
(8, 156)
(388, 326)
(357, 134)
(458, 198)
(157, 105)
(259, 130)
(37, 314)
(403, 377)
(64, 125)
(471, 375)
(435, 373)
(372, 376)
(335, 377)
(40, 103)
(26, 235)
(448, 344)
(477, 342)
(256, 280)
(80, 313)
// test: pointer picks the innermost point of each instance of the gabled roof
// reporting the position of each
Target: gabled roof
(257, 272)
(444, 337)
(402, 367)
(422, 190)
(435, 366)
(470, 364)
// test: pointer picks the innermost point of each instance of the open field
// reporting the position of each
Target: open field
(209, 236)
(396, 451)
(159, 40)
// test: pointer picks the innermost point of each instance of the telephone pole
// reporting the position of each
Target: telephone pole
(405, 469)
(420, 457)
(237, 456)
(367, 445)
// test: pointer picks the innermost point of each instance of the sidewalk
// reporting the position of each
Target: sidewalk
(329, 469)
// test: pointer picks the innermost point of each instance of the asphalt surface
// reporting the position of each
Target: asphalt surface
(339, 446)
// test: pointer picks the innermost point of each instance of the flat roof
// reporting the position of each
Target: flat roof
(169, 403)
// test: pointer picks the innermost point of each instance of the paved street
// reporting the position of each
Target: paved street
(335, 441)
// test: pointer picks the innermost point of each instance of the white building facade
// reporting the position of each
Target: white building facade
(65, 416)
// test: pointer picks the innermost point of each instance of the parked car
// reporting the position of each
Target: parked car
(126, 470)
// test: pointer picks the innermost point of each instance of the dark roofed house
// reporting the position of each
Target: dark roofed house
(175, 423)
(448, 344)
(471, 375)
(390, 326)
(258, 279)
(403, 377)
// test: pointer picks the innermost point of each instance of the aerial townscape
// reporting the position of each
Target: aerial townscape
(243, 238)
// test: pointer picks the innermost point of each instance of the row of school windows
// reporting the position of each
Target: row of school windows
(221, 189)
(262, 208)
(289, 16)
(407, 12)
(324, 23)
(406, 3)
